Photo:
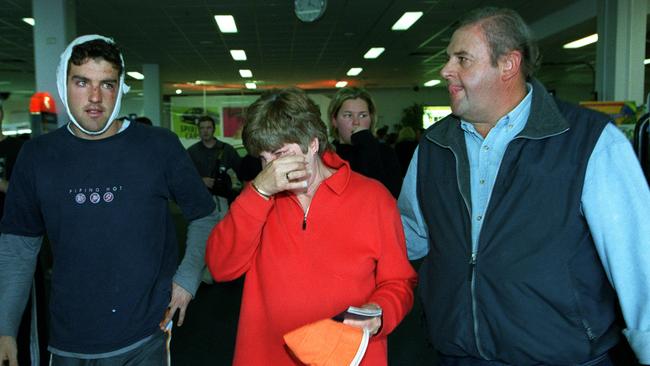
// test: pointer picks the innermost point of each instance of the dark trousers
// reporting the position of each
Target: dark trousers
(26, 341)
(152, 353)
(468, 361)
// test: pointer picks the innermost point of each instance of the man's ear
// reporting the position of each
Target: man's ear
(510, 64)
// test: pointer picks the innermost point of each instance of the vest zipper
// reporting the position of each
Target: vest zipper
(477, 340)
(472, 270)
(472, 264)
(472, 261)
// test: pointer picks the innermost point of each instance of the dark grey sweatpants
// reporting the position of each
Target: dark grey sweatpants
(154, 352)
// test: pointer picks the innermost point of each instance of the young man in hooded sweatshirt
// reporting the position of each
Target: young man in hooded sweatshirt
(100, 189)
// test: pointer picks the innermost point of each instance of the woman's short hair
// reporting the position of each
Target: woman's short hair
(505, 31)
(283, 116)
(344, 94)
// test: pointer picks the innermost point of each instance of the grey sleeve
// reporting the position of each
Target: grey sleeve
(18, 255)
(188, 274)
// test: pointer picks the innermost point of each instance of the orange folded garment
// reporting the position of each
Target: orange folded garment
(328, 343)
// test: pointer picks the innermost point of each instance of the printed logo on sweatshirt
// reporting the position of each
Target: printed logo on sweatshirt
(108, 197)
(80, 198)
(94, 195)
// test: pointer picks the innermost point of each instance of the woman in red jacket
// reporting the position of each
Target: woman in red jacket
(312, 236)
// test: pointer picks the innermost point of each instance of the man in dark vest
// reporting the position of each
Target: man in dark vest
(531, 215)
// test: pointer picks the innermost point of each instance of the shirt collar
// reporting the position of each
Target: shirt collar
(338, 181)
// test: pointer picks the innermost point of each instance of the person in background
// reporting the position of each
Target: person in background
(312, 237)
(250, 167)
(9, 148)
(532, 214)
(352, 114)
(217, 163)
(381, 133)
(391, 139)
(405, 146)
(144, 120)
(31, 338)
(99, 188)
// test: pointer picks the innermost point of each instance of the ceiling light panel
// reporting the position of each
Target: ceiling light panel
(374, 52)
(354, 71)
(238, 55)
(135, 75)
(582, 42)
(226, 23)
(406, 21)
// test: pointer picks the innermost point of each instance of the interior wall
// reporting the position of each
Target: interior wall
(132, 105)
(390, 102)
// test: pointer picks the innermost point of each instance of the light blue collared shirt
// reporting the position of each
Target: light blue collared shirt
(615, 202)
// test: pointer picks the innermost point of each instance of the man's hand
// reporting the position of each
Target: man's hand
(287, 173)
(209, 182)
(373, 324)
(8, 350)
(180, 299)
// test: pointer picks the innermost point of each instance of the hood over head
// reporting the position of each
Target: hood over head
(62, 84)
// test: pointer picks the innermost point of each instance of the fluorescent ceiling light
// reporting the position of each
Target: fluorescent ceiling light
(178, 91)
(354, 71)
(646, 61)
(374, 52)
(407, 20)
(29, 21)
(19, 131)
(205, 82)
(582, 42)
(341, 84)
(245, 73)
(251, 86)
(238, 55)
(135, 75)
(226, 23)
(432, 82)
